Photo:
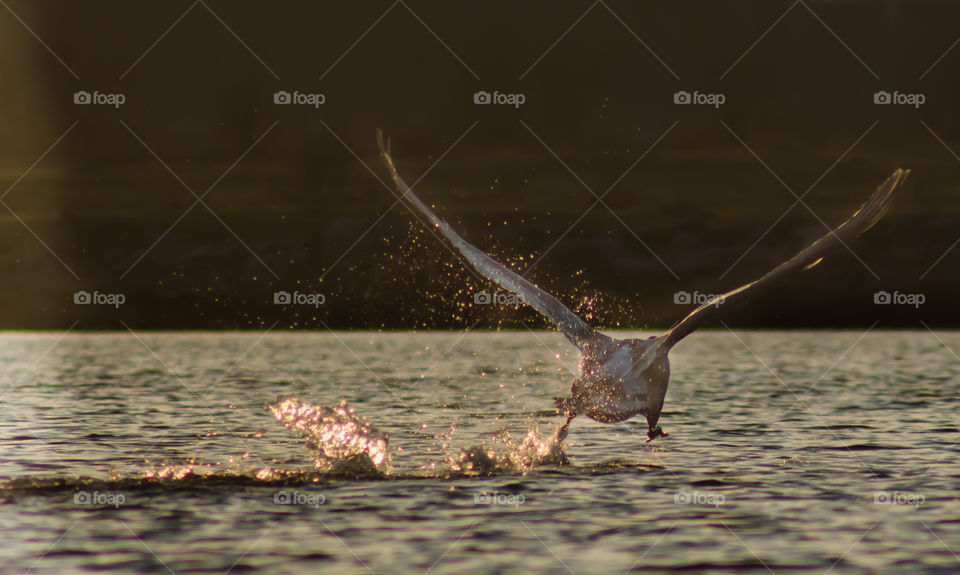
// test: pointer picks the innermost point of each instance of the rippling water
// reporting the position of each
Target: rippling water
(805, 451)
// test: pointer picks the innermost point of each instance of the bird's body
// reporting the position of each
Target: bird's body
(621, 378)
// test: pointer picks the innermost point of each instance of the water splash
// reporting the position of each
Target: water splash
(172, 472)
(341, 441)
(508, 455)
(344, 445)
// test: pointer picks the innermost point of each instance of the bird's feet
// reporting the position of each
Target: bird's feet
(655, 433)
(562, 432)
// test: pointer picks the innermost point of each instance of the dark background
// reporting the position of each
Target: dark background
(300, 211)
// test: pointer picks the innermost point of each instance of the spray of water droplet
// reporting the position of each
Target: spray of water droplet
(339, 439)
(506, 454)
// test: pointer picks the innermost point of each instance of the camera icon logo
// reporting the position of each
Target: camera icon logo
(482, 298)
(682, 498)
(282, 97)
(282, 498)
(882, 298)
(682, 298)
(81, 498)
(882, 97)
(881, 497)
(282, 298)
(82, 97)
(82, 297)
(482, 97)
(682, 97)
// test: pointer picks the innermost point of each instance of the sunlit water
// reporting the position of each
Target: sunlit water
(787, 451)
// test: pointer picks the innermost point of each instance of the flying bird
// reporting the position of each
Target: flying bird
(621, 378)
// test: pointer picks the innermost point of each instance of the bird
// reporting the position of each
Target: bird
(622, 378)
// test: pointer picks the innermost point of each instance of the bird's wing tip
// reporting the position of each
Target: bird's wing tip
(899, 177)
(383, 142)
(875, 207)
(904, 174)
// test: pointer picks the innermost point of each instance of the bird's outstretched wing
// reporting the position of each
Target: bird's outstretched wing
(858, 223)
(576, 330)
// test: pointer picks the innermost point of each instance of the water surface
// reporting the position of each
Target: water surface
(788, 451)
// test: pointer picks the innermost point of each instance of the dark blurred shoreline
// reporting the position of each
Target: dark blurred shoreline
(293, 203)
